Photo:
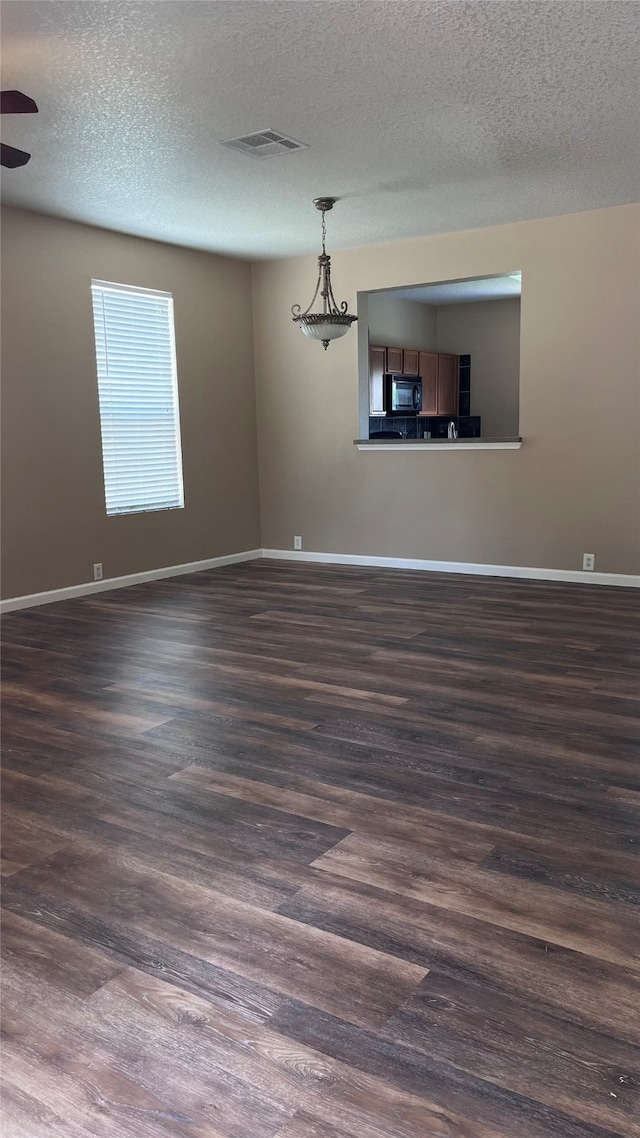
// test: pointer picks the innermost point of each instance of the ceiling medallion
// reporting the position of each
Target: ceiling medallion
(334, 320)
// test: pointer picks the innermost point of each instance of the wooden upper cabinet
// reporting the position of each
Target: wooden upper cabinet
(428, 369)
(447, 399)
(394, 359)
(439, 372)
(410, 364)
(377, 368)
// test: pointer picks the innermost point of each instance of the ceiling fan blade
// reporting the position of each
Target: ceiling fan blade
(11, 157)
(15, 103)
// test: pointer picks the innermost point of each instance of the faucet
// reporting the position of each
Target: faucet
(452, 430)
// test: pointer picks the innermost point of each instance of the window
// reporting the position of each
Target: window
(138, 394)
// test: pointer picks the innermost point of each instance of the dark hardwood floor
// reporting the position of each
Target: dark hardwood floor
(313, 852)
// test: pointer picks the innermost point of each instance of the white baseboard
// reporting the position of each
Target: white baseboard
(628, 580)
(34, 599)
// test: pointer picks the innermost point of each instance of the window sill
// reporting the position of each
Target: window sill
(438, 444)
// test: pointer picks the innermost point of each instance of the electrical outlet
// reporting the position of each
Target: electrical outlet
(588, 561)
(97, 571)
(297, 543)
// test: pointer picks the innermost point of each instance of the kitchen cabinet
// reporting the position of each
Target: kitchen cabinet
(428, 369)
(447, 384)
(403, 361)
(439, 373)
(377, 368)
(394, 359)
(410, 363)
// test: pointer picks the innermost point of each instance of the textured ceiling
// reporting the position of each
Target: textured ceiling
(422, 117)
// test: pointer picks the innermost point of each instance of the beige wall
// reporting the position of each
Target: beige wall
(489, 331)
(54, 525)
(572, 488)
(398, 323)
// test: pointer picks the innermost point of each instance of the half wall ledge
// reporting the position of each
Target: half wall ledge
(438, 444)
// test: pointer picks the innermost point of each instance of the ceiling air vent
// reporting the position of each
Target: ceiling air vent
(265, 144)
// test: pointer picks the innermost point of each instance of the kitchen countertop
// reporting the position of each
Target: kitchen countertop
(513, 443)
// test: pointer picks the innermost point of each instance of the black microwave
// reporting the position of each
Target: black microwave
(402, 394)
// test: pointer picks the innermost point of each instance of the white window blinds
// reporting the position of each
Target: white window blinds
(138, 394)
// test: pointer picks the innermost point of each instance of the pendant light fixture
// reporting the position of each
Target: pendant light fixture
(334, 320)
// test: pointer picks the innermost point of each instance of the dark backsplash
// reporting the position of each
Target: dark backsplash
(413, 427)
